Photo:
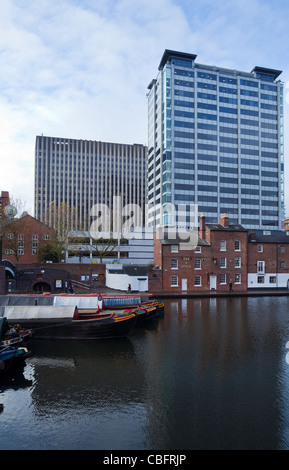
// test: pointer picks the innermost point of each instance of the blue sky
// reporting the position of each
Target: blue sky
(80, 68)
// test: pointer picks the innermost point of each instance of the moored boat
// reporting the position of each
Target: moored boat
(12, 336)
(65, 322)
(85, 302)
(12, 357)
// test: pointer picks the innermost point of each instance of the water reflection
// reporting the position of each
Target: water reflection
(212, 374)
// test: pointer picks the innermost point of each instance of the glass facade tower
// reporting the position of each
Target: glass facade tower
(215, 139)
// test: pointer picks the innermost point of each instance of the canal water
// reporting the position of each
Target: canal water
(211, 374)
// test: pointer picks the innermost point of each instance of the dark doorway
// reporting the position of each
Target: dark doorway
(41, 287)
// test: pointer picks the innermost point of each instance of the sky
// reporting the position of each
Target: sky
(80, 68)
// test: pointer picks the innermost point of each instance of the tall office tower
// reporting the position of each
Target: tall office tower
(82, 173)
(215, 139)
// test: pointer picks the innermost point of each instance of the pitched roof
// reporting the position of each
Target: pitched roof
(230, 228)
(165, 241)
(280, 237)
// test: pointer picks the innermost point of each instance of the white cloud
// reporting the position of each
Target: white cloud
(80, 68)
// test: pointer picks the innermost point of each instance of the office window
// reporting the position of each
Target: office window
(260, 248)
(223, 263)
(198, 280)
(272, 280)
(174, 249)
(282, 265)
(260, 280)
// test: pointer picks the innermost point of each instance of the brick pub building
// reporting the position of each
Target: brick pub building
(218, 263)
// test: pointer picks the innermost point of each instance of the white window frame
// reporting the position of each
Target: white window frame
(174, 263)
(198, 263)
(238, 262)
(261, 267)
(223, 245)
(237, 245)
(176, 279)
(223, 263)
(238, 276)
(223, 278)
(198, 280)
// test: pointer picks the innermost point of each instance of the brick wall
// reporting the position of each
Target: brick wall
(207, 268)
(33, 234)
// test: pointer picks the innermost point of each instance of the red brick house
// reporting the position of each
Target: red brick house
(219, 260)
(22, 238)
(268, 259)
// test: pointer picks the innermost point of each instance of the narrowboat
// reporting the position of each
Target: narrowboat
(66, 322)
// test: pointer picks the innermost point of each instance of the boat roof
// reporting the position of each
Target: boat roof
(28, 312)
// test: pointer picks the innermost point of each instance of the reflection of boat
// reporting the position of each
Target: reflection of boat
(65, 322)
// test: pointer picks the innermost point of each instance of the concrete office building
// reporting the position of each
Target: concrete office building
(82, 173)
(215, 139)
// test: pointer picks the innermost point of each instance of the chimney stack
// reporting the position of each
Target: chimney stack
(252, 236)
(224, 220)
(202, 232)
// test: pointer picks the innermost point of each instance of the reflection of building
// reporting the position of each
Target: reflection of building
(286, 223)
(215, 139)
(83, 173)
